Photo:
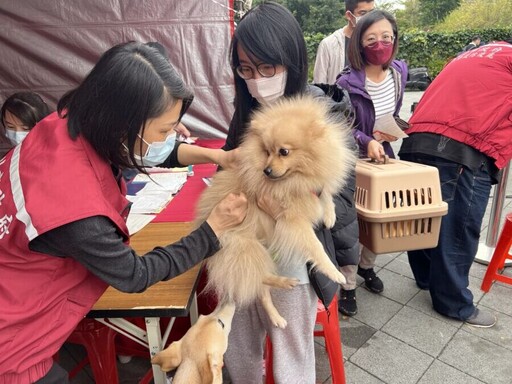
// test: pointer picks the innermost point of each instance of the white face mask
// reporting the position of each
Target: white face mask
(16, 136)
(267, 89)
(356, 19)
(157, 151)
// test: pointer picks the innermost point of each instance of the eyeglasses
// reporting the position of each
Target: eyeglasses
(372, 40)
(265, 70)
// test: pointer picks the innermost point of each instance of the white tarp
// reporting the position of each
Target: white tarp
(48, 46)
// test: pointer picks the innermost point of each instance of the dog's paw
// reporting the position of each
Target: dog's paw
(279, 322)
(280, 281)
(329, 219)
(340, 279)
(289, 282)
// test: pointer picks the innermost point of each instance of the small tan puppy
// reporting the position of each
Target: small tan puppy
(298, 155)
(199, 354)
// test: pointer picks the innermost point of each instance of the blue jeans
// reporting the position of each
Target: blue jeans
(444, 270)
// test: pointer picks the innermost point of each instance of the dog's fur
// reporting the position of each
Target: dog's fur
(199, 354)
(295, 152)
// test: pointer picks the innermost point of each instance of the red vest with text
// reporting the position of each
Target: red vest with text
(470, 101)
(45, 182)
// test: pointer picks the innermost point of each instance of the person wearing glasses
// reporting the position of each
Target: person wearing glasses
(375, 82)
(269, 61)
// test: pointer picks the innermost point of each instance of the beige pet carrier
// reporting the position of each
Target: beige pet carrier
(399, 205)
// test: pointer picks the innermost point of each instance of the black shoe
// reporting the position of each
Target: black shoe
(347, 302)
(371, 280)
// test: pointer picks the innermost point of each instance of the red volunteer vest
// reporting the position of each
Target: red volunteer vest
(473, 109)
(45, 182)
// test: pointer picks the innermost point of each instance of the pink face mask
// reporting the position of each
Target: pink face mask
(378, 53)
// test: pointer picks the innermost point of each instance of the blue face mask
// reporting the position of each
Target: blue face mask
(157, 151)
(16, 136)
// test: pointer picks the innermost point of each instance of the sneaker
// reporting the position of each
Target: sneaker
(347, 302)
(481, 319)
(371, 280)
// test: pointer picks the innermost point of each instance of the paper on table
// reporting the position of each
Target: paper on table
(157, 182)
(386, 124)
(152, 203)
(137, 221)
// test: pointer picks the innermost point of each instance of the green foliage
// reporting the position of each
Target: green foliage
(312, 42)
(432, 12)
(435, 49)
(315, 16)
(409, 16)
(478, 14)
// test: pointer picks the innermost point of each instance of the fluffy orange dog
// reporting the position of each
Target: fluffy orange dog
(297, 154)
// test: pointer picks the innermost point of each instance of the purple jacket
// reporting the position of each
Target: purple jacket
(354, 82)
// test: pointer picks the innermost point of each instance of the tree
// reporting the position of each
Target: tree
(409, 16)
(478, 14)
(321, 16)
(432, 12)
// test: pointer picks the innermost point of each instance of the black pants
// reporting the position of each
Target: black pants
(56, 375)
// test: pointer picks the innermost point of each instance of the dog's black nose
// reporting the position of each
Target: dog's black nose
(267, 171)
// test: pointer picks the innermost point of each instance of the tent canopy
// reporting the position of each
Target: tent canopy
(48, 46)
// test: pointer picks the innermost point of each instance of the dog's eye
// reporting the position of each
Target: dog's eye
(284, 152)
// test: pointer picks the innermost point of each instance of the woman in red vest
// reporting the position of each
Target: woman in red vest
(63, 208)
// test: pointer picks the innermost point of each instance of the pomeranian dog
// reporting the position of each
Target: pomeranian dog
(199, 354)
(298, 154)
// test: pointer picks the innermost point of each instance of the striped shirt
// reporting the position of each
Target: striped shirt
(382, 95)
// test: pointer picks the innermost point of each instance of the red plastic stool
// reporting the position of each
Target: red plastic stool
(500, 255)
(98, 340)
(330, 332)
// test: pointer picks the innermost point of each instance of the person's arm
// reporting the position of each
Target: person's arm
(95, 243)
(322, 63)
(186, 154)
(191, 154)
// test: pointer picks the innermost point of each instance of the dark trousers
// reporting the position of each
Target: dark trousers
(56, 375)
(444, 270)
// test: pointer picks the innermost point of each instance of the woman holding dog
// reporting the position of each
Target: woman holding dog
(269, 61)
(375, 82)
(63, 235)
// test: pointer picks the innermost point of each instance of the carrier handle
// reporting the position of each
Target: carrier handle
(386, 160)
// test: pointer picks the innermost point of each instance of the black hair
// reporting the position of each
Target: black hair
(28, 107)
(131, 83)
(351, 5)
(476, 37)
(355, 48)
(159, 47)
(271, 34)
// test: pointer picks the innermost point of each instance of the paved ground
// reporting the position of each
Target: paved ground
(397, 338)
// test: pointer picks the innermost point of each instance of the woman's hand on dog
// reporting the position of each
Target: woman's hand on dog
(228, 213)
(270, 206)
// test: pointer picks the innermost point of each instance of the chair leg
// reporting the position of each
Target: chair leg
(332, 337)
(98, 340)
(269, 369)
(499, 256)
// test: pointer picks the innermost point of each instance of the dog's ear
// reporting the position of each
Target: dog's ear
(169, 358)
(215, 361)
